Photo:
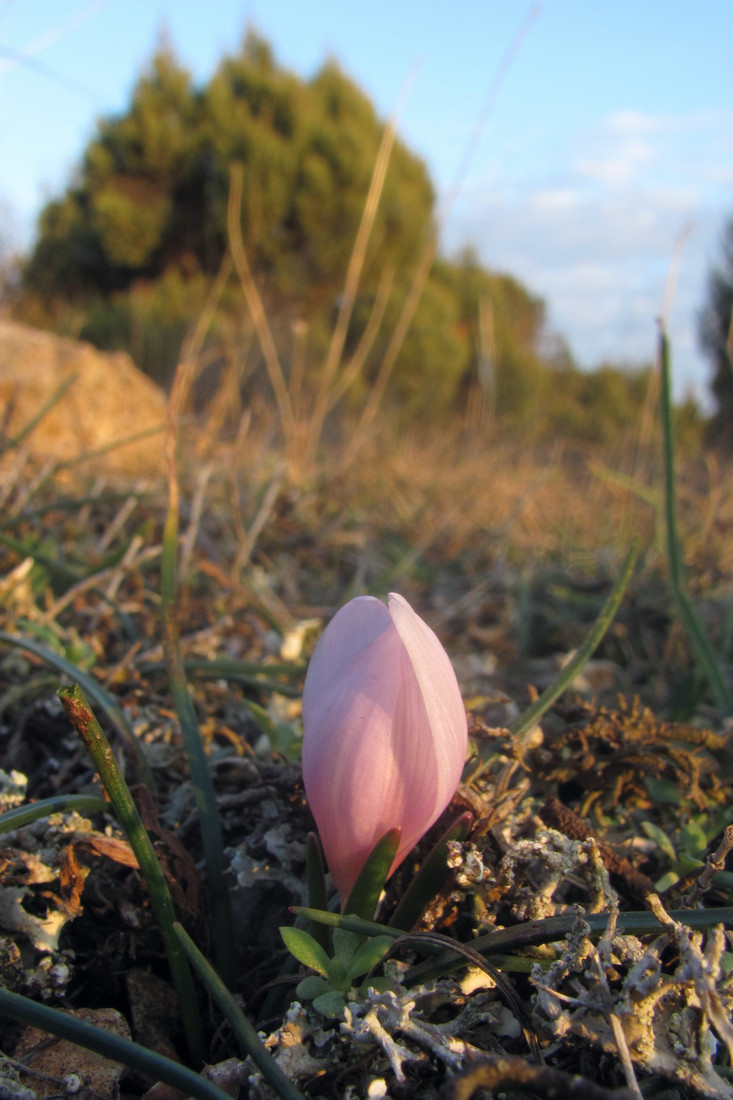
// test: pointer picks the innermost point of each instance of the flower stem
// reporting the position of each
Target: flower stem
(111, 1046)
(243, 1030)
(98, 747)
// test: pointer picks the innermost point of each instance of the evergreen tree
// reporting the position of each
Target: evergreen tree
(716, 336)
(148, 211)
(126, 256)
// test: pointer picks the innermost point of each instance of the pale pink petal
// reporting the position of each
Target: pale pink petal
(441, 695)
(415, 801)
(348, 709)
(351, 629)
(385, 732)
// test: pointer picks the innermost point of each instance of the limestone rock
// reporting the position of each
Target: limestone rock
(55, 1062)
(107, 400)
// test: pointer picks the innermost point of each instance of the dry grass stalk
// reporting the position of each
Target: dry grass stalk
(353, 274)
(254, 302)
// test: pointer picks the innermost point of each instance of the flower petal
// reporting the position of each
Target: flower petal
(353, 627)
(441, 696)
(385, 732)
(349, 769)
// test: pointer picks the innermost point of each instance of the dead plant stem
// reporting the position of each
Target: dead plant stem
(351, 284)
(254, 303)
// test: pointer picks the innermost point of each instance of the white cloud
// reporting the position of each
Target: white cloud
(619, 165)
(594, 232)
(601, 265)
(635, 122)
(559, 198)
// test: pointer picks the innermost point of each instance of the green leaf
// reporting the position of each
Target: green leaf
(337, 974)
(663, 790)
(531, 716)
(369, 954)
(138, 1058)
(693, 840)
(705, 654)
(57, 804)
(660, 838)
(94, 689)
(668, 879)
(330, 1004)
(306, 950)
(345, 945)
(365, 892)
(687, 863)
(311, 987)
(316, 880)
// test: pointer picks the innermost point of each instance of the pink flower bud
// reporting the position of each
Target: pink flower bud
(385, 732)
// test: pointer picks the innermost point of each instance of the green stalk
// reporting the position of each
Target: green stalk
(704, 652)
(59, 804)
(100, 696)
(431, 876)
(64, 574)
(244, 1032)
(553, 929)
(518, 936)
(203, 786)
(533, 713)
(364, 894)
(128, 815)
(349, 923)
(58, 394)
(110, 1046)
(70, 504)
(316, 880)
(261, 677)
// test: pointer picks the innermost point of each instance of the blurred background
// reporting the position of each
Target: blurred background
(564, 158)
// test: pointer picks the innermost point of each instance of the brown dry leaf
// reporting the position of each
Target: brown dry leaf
(178, 865)
(112, 847)
(72, 876)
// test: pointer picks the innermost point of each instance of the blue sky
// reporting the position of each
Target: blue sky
(612, 132)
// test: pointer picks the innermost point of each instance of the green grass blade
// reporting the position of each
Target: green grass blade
(71, 504)
(100, 696)
(103, 1042)
(552, 929)
(364, 896)
(585, 650)
(704, 652)
(203, 785)
(430, 877)
(59, 804)
(107, 448)
(316, 880)
(58, 394)
(244, 1031)
(515, 937)
(259, 676)
(129, 818)
(58, 571)
(348, 922)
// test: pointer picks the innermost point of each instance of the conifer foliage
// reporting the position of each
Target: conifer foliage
(716, 335)
(126, 256)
